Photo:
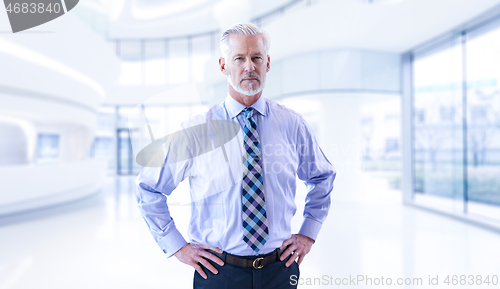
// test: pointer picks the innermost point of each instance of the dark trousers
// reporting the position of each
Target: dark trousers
(272, 276)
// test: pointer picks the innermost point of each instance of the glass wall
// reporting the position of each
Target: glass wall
(113, 139)
(438, 126)
(381, 137)
(381, 127)
(456, 123)
(169, 61)
(483, 121)
(104, 139)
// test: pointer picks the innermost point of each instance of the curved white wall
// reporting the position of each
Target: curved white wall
(68, 177)
(350, 70)
(53, 81)
(28, 187)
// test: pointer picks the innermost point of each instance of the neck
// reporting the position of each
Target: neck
(246, 100)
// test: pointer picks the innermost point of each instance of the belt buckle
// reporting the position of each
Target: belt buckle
(256, 260)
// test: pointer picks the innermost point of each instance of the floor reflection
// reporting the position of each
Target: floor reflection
(102, 242)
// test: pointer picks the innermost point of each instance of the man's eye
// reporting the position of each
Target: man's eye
(238, 58)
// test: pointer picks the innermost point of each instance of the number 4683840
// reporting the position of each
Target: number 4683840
(471, 280)
(33, 8)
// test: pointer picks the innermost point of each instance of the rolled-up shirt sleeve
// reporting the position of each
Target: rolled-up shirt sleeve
(318, 175)
(153, 185)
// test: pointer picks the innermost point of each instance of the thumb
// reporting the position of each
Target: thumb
(286, 243)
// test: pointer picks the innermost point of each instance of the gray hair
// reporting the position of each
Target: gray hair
(243, 29)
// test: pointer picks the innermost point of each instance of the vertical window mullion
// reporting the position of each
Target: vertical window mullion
(464, 119)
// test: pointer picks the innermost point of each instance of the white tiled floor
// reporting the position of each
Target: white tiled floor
(102, 242)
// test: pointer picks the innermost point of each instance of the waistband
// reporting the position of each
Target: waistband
(256, 262)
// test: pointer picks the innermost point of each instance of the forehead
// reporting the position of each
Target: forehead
(247, 44)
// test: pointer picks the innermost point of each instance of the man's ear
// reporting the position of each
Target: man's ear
(268, 63)
(222, 65)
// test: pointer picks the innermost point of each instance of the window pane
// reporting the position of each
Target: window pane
(48, 147)
(131, 73)
(155, 64)
(104, 146)
(483, 123)
(201, 55)
(380, 130)
(178, 61)
(130, 50)
(131, 65)
(438, 127)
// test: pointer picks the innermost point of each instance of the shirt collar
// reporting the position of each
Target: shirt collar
(234, 108)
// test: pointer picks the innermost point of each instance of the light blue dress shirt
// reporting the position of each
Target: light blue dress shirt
(288, 150)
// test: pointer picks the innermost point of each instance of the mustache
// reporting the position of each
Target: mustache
(250, 74)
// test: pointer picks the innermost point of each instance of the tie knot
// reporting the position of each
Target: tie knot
(248, 112)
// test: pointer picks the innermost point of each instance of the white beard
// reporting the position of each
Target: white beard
(250, 92)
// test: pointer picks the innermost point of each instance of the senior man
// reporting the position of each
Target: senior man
(240, 236)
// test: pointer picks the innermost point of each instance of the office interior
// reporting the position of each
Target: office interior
(403, 97)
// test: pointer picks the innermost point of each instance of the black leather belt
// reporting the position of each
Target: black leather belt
(256, 262)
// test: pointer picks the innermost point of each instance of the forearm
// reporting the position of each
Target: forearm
(318, 201)
(318, 175)
(153, 187)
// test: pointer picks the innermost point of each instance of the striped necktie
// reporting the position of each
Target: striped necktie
(255, 230)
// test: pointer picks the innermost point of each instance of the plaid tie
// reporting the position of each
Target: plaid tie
(255, 229)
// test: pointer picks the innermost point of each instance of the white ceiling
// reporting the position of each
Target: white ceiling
(172, 18)
(393, 27)
(387, 25)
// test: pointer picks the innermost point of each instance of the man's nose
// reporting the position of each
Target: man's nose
(249, 66)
